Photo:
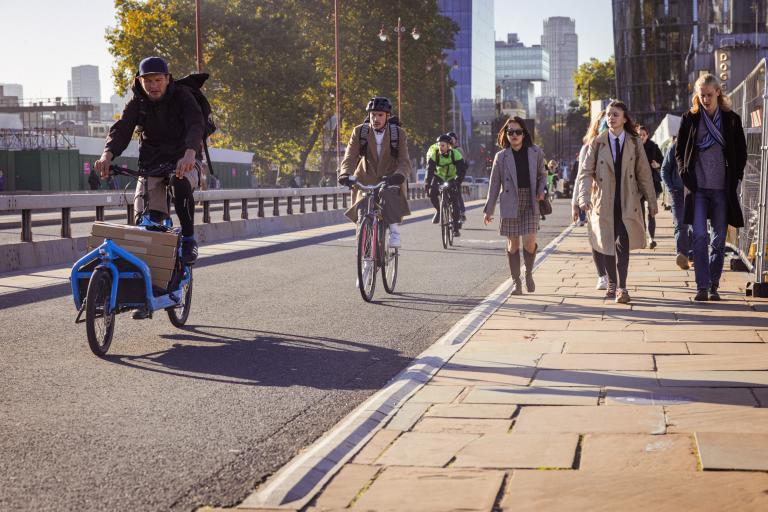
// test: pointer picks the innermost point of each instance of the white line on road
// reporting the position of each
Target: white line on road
(297, 482)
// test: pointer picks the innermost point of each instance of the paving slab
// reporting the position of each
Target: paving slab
(424, 449)
(345, 486)
(582, 336)
(638, 452)
(532, 395)
(408, 415)
(702, 336)
(597, 362)
(376, 446)
(680, 396)
(436, 394)
(726, 379)
(577, 491)
(716, 418)
(591, 419)
(762, 396)
(475, 375)
(621, 379)
(535, 348)
(503, 357)
(525, 324)
(472, 410)
(605, 325)
(637, 347)
(728, 451)
(728, 348)
(463, 425)
(516, 450)
(720, 362)
(432, 490)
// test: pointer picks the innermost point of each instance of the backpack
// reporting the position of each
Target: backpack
(394, 136)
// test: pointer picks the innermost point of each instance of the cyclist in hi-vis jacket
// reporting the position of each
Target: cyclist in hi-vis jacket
(445, 164)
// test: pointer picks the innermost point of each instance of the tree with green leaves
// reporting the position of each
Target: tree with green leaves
(595, 80)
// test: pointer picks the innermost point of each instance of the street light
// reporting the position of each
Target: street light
(399, 30)
(338, 90)
(198, 38)
(441, 61)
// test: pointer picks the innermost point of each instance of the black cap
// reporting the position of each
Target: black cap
(152, 65)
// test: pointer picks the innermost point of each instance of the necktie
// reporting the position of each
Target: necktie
(617, 154)
(379, 131)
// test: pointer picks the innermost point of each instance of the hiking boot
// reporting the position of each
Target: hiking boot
(622, 296)
(610, 293)
(701, 295)
(436, 218)
(713, 295)
(140, 314)
(682, 261)
(189, 251)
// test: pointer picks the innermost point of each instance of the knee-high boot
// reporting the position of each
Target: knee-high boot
(514, 270)
(530, 259)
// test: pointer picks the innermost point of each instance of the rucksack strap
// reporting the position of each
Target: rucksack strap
(364, 138)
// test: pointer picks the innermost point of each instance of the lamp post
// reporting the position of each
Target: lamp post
(441, 61)
(338, 89)
(399, 30)
(198, 38)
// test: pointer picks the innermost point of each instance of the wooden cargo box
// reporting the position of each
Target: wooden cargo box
(157, 249)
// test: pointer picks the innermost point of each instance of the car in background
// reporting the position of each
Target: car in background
(483, 181)
(421, 175)
(468, 180)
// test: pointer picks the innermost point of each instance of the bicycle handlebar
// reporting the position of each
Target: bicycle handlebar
(161, 171)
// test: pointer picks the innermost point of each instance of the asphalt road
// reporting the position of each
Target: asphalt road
(279, 347)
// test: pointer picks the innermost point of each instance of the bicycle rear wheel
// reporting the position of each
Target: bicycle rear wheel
(445, 220)
(389, 264)
(366, 259)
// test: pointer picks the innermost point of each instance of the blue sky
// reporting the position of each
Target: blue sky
(43, 39)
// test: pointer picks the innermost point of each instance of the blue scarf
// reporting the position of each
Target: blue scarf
(714, 131)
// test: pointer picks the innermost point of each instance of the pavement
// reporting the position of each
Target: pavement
(561, 400)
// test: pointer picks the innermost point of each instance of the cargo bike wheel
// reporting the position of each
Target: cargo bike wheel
(178, 314)
(99, 323)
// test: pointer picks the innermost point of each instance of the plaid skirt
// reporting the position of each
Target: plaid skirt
(526, 223)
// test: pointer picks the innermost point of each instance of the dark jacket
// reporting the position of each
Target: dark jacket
(669, 172)
(652, 152)
(735, 152)
(171, 126)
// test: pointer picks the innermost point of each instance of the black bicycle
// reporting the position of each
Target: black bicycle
(446, 214)
(373, 250)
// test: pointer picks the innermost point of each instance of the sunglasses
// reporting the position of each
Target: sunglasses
(514, 131)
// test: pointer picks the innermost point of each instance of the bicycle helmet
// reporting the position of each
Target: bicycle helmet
(379, 104)
(452, 134)
(444, 138)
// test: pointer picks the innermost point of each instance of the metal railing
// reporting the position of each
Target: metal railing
(750, 100)
(302, 199)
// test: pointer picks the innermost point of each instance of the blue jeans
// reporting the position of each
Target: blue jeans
(683, 241)
(708, 256)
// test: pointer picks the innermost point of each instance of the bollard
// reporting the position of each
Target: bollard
(244, 211)
(344, 201)
(226, 210)
(275, 206)
(302, 207)
(66, 223)
(26, 225)
(325, 202)
(290, 205)
(131, 217)
(207, 212)
(100, 213)
(314, 203)
(261, 207)
(335, 201)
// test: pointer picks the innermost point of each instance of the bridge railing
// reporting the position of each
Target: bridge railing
(303, 199)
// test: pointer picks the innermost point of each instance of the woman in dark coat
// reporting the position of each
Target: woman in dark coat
(711, 153)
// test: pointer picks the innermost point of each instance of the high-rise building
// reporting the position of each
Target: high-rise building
(661, 47)
(85, 84)
(517, 68)
(474, 70)
(13, 90)
(561, 42)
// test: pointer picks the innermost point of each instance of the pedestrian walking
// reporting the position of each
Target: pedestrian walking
(518, 181)
(711, 153)
(683, 236)
(596, 127)
(617, 167)
(655, 158)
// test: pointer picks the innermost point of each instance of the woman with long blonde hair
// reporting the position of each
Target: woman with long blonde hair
(711, 153)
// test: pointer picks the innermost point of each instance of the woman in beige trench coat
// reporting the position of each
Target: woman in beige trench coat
(617, 165)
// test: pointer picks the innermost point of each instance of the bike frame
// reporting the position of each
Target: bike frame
(108, 252)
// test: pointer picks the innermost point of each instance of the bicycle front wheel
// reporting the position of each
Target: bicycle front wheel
(179, 314)
(389, 265)
(445, 221)
(99, 322)
(366, 259)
